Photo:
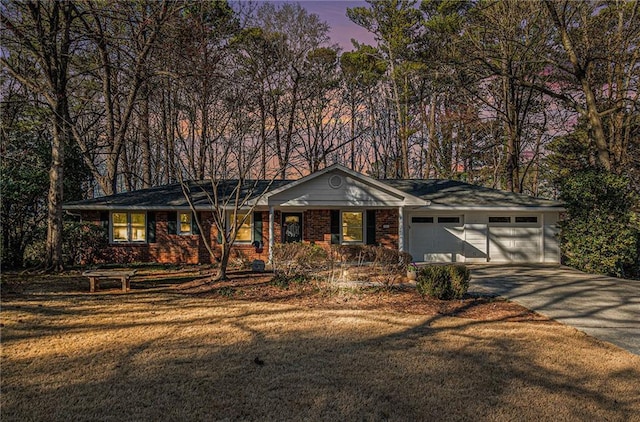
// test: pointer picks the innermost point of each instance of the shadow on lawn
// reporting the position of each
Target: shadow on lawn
(329, 365)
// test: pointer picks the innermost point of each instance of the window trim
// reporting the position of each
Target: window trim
(249, 221)
(179, 231)
(129, 226)
(362, 228)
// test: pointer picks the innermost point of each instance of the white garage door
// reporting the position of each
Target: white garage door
(436, 238)
(515, 239)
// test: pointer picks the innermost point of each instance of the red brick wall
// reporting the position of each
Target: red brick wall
(191, 249)
(316, 226)
(387, 237)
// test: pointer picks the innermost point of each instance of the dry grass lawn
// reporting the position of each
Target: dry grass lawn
(176, 352)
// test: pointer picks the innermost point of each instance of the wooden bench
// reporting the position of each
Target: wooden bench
(95, 276)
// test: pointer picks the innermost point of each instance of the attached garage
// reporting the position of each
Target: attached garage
(470, 223)
(483, 236)
(515, 239)
(436, 238)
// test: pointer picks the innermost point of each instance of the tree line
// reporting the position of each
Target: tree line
(104, 97)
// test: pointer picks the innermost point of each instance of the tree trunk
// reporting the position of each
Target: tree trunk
(54, 261)
(224, 261)
(146, 135)
(432, 147)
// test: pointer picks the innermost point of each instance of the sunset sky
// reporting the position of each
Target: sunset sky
(334, 12)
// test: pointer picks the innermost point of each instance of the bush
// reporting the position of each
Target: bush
(377, 255)
(82, 244)
(290, 259)
(601, 233)
(443, 281)
(284, 281)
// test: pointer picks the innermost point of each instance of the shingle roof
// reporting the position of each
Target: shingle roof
(453, 193)
(441, 194)
(171, 196)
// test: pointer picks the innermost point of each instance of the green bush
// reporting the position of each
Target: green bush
(284, 281)
(82, 244)
(443, 281)
(601, 233)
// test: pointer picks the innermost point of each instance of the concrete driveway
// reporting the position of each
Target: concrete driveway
(604, 307)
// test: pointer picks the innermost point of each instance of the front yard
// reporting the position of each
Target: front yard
(176, 348)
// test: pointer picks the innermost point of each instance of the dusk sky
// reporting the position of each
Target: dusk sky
(334, 12)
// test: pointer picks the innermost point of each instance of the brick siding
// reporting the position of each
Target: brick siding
(191, 249)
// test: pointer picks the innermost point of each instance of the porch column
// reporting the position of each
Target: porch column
(401, 229)
(271, 239)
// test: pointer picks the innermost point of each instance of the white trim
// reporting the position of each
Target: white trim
(479, 208)
(229, 222)
(401, 229)
(406, 197)
(362, 212)
(128, 225)
(271, 239)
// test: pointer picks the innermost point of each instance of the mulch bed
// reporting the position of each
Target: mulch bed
(243, 285)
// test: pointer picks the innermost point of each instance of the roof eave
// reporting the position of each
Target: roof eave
(534, 208)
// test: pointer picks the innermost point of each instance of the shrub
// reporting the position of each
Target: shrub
(284, 281)
(601, 233)
(290, 259)
(82, 244)
(443, 281)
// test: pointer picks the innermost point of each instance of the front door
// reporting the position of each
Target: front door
(291, 227)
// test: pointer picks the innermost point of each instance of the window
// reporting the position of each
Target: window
(422, 219)
(184, 222)
(128, 226)
(352, 226)
(499, 219)
(243, 233)
(448, 219)
(527, 219)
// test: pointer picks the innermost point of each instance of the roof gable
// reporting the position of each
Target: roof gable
(337, 186)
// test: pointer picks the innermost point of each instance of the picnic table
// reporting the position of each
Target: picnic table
(95, 275)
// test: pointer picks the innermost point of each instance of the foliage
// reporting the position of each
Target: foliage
(82, 244)
(601, 233)
(294, 259)
(24, 180)
(443, 282)
(227, 291)
(377, 255)
(284, 281)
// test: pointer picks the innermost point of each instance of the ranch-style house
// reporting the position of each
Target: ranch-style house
(433, 220)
